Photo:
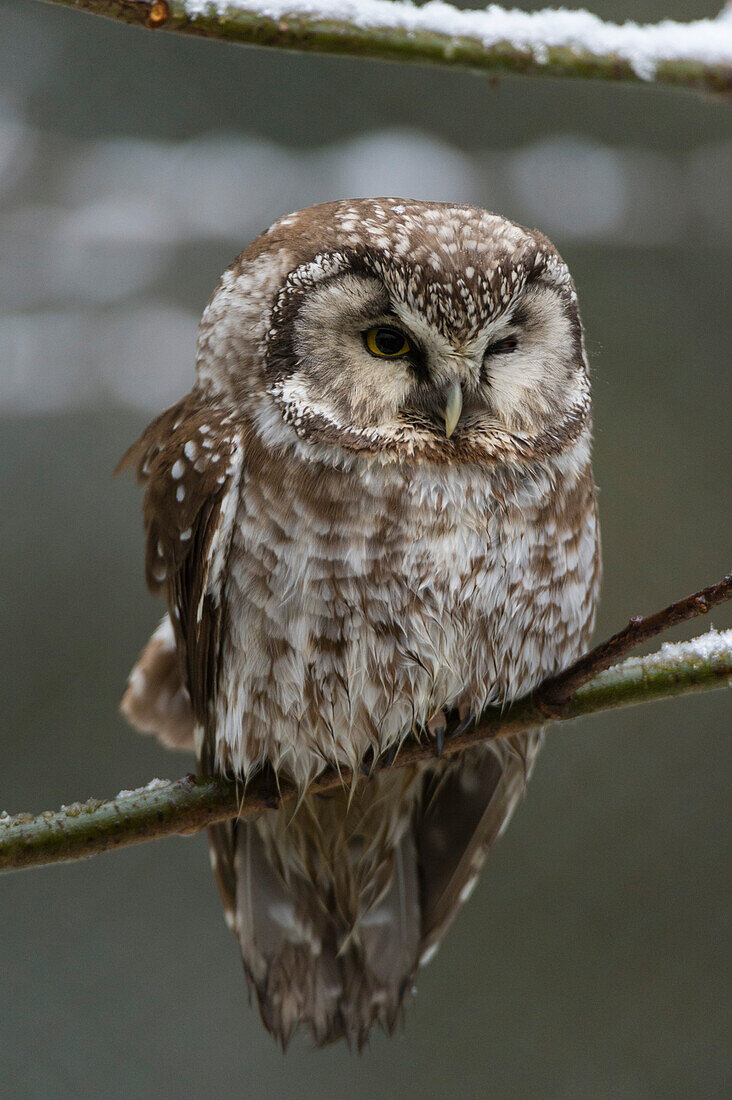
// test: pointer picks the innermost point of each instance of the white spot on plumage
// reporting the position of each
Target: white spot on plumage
(468, 889)
(428, 955)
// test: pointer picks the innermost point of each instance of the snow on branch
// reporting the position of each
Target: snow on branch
(553, 42)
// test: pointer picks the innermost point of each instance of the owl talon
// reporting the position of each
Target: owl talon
(436, 728)
(466, 721)
(390, 756)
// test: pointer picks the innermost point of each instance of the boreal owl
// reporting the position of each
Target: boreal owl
(375, 503)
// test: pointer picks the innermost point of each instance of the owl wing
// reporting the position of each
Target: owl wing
(190, 460)
(466, 804)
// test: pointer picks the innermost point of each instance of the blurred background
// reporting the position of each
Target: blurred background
(133, 168)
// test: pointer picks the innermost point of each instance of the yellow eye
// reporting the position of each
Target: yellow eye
(386, 343)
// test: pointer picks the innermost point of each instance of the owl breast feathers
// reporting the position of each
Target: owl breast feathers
(376, 503)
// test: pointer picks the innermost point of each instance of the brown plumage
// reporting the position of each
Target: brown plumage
(349, 542)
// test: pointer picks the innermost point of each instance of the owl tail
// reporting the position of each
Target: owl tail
(335, 904)
(330, 948)
(155, 700)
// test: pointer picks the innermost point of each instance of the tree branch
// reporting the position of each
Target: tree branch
(558, 690)
(188, 804)
(544, 43)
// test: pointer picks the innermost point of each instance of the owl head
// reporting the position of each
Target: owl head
(402, 330)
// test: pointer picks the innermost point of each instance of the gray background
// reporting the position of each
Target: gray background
(133, 167)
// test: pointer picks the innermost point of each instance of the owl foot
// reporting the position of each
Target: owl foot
(390, 756)
(466, 720)
(436, 727)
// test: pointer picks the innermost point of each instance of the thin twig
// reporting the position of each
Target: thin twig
(542, 43)
(187, 805)
(556, 692)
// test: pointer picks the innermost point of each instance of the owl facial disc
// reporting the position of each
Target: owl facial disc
(381, 327)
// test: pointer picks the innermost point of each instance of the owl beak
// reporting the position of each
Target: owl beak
(453, 408)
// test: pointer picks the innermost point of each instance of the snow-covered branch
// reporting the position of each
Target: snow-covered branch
(166, 807)
(553, 42)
